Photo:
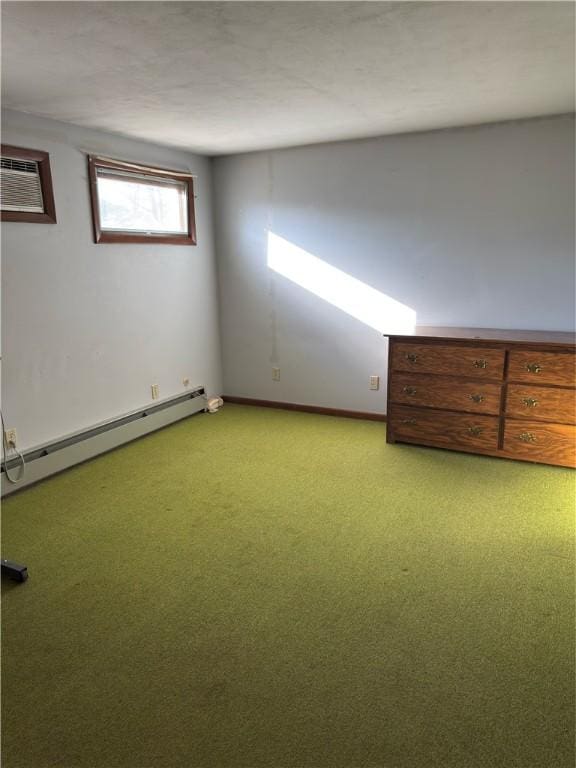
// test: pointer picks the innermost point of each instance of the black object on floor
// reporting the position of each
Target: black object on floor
(13, 570)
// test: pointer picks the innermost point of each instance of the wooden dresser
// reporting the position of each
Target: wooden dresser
(500, 393)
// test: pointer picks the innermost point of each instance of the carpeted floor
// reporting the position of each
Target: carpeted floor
(263, 588)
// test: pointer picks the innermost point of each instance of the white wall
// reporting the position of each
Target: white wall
(471, 227)
(88, 328)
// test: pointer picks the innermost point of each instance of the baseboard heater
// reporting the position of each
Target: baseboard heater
(50, 458)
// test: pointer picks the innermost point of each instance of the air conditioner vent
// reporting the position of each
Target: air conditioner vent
(20, 186)
(13, 164)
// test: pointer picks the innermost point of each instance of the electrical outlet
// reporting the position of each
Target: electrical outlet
(275, 374)
(374, 382)
(186, 382)
(155, 391)
(10, 436)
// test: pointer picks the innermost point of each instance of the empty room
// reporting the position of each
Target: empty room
(288, 384)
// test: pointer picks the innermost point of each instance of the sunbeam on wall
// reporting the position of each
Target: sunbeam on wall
(350, 295)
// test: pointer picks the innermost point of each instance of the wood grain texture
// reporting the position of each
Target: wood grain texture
(447, 393)
(541, 403)
(443, 428)
(540, 367)
(475, 362)
(541, 442)
(498, 336)
(527, 381)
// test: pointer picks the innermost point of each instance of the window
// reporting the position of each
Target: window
(135, 204)
(26, 186)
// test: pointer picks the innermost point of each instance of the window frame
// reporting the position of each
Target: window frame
(120, 236)
(45, 176)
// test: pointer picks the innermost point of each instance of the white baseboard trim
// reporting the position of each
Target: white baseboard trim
(61, 454)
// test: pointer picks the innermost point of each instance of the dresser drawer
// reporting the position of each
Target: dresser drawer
(538, 441)
(547, 403)
(444, 429)
(441, 392)
(454, 361)
(543, 367)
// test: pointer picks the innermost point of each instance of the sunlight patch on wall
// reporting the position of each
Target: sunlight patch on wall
(352, 296)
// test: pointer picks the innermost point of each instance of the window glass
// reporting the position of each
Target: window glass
(142, 206)
(137, 204)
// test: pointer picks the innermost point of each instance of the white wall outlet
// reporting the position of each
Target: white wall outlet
(374, 382)
(186, 381)
(275, 374)
(10, 436)
(155, 391)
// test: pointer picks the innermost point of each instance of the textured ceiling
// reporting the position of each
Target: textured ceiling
(220, 78)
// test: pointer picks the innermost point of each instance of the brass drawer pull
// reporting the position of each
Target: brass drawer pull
(530, 402)
(475, 431)
(477, 398)
(408, 421)
(533, 367)
(411, 357)
(480, 363)
(527, 437)
(409, 390)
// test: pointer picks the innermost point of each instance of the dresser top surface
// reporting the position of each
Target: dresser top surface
(487, 334)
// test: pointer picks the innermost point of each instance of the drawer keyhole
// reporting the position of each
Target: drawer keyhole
(481, 363)
(475, 431)
(411, 357)
(477, 398)
(409, 390)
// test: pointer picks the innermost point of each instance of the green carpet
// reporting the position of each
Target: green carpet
(263, 588)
